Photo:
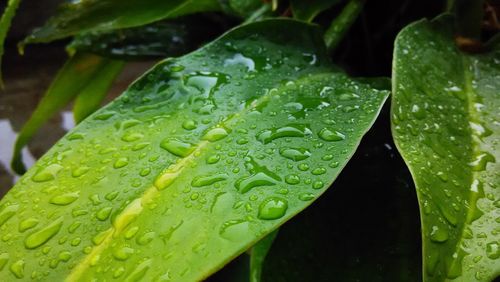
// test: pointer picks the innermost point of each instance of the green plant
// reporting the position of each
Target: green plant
(207, 154)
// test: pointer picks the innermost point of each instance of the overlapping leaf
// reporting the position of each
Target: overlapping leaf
(84, 74)
(308, 10)
(198, 160)
(102, 15)
(446, 125)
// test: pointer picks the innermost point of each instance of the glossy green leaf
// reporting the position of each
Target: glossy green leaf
(307, 10)
(73, 78)
(445, 123)
(159, 39)
(5, 20)
(198, 160)
(243, 8)
(102, 15)
(89, 98)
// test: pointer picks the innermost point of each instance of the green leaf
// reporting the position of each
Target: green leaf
(258, 255)
(104, 15)
(307, 10)
(159, 39)
(5, 20)
(242, 8)
(93, 93)
(197, 161)
(73, 78)
(445, 124)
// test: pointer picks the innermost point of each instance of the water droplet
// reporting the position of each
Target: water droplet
(295, 154)
(242, 60)
(132, 136)
(318, 184)
(140, 146)
(121, 162)
(7, 213)
(47, 173)
(272, 208)
(17, 268)
(103, 213)
(438, 235)
(303, 167)
(79, 171)
(235, 230)
(64, 256)
(146, 238)
(292, 179)
(215, 134)
(130, 233)
(306, 196)
(201, 181)
(65, 199)
(189, 124)
(43, 235)
(330, 135)
(4, 258)
(213, 159)
(292, 130)
(122, 253)
(479, 164)
(177, 147)
(319, 171)
(27, 224)
(245, 184)
(111, 195)
(492, 250)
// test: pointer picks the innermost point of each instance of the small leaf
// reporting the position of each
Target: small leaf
(258, 255)
(104, 15)
(73, 77)
(184, 171)
(445, 123)
(90, 97)
(5, 20)
(307, 10)
(159, 39)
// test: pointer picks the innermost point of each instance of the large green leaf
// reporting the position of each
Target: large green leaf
(82, 73)
(5, 20)
(445, 123)
(101, 15)
(159, 39)
(197, 161)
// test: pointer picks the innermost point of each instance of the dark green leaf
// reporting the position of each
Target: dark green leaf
(197, 161)
(159, 39)
(307, 10)
(5, 20)
(445, 123)
(242, 8)
(258, 255)
(91, 96)
(72, 79)
(104, 15)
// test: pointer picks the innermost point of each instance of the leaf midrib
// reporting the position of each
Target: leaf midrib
(149, 192)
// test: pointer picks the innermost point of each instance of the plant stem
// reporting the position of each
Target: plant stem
(341, 24)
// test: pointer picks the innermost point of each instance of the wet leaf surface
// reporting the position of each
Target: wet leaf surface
(446, 125)
(197, 161)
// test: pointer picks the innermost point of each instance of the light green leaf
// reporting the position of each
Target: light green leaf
(159, 39)
(104, 15)
(197, 161)
(445, 124)
(73, 78)
(93, 93)
(5, 20)
(258, 255)
(307, 10)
